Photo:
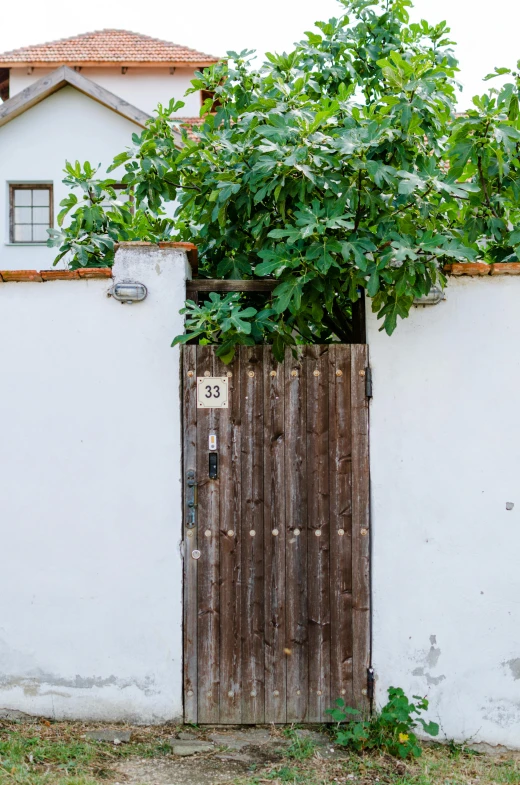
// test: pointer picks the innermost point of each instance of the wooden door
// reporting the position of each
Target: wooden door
(276, 547)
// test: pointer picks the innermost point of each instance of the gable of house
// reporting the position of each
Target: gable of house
(57, 80)
(65, 117)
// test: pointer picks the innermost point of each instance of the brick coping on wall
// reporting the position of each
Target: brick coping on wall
(41, 276)
(480, 268)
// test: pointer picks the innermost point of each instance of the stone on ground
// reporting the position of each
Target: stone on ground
(13, 715)
(187, 735)
(238, 739)
(183, 748)
(113, 735)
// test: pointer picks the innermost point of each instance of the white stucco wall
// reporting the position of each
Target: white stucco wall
(34, 147)
(90, 508)
(142, 87)
(445, 460)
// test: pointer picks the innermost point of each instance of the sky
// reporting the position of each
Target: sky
(486, 32)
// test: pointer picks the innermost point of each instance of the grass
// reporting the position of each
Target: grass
(45, 753)
(59, 754)
(300, 747)
(439, 765)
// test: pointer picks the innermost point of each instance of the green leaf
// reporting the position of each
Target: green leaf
(497, 72)
(292, 235)
(373, 284)
(235, 267)
(288, 293)
(179, 339)
(266, 268)
(432, 728)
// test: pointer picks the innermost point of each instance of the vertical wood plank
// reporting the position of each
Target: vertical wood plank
(229, 450)
(340, 482)
(189, 386)
(208, 564)
(274, 540)
(296, 483)
(360, 527)
(317, 381)
(252, 533)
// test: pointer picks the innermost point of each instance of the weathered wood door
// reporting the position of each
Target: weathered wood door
(276, 547)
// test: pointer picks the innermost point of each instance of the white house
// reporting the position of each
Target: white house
(79, 98)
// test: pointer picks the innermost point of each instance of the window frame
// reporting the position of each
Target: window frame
(29, 187)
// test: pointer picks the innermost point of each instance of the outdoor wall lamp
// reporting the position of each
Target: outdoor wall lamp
(434, 296)
(128, 292)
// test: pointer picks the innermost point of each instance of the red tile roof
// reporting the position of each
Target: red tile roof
(108, 47)
(190, 124)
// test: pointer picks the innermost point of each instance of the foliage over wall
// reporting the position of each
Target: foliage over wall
(339, 167)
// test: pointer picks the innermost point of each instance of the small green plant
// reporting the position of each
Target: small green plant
(300, 748)
(391, 729)
(284, 774)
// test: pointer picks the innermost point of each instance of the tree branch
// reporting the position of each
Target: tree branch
(407, 205)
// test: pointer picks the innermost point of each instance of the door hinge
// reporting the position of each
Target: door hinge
(368, 382)
(371, 677)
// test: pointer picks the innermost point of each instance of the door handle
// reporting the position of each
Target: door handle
(191, 499)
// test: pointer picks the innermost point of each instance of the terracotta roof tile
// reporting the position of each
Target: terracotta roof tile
(190, 124)
(107, 46)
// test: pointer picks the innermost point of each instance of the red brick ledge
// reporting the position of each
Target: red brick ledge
(480, 268)
(19, 276)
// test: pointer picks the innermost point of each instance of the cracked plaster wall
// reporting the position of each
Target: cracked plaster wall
(445, 476)
(90, 509)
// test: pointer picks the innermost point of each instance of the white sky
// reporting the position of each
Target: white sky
(487, 31)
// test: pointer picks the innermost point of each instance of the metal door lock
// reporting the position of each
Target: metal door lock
(213, 465)
(191, 499)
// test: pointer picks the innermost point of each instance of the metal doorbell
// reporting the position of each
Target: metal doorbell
(213, 456)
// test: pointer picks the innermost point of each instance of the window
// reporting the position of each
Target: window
(30, 212)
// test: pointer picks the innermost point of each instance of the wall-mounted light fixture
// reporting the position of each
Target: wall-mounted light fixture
(434, 296)
(128, 292)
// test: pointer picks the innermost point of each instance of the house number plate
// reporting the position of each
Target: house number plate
(212, 392)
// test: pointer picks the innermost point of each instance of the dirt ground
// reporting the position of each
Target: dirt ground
(41, 752)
